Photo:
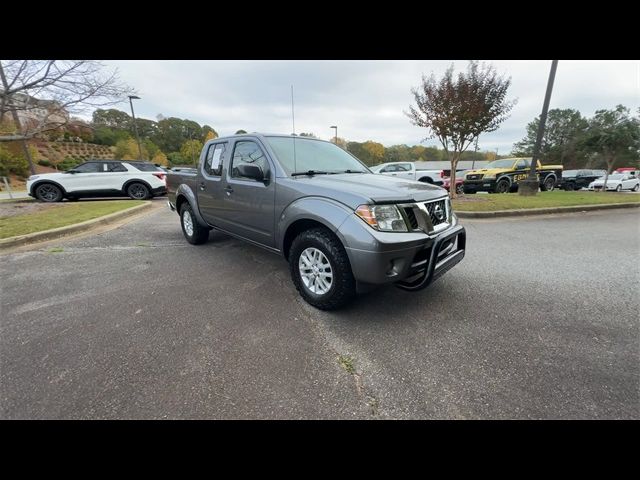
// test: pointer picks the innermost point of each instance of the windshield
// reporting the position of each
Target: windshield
(313, 155)
(499, 164)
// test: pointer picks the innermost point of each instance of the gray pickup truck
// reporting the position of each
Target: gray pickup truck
(342, 228)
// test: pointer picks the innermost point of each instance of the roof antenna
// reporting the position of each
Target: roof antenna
(293, 121)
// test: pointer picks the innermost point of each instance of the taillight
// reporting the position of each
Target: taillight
(160, 176)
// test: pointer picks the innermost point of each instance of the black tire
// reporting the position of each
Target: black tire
(468, 191)
(548, 185)
(343, 285)
(138, 191)
(503, 186)
(196, 234)
(460, 189)
(636, 188)
(48, 192)
(619, 188)
(426, 180)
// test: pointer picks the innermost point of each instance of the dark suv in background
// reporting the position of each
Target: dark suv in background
(577, 179)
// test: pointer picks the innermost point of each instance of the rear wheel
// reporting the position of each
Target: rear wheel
(195, 233)
(548, 184)
(320, 269)
(636, 188)
(138, 191)
(619, 188)
(48, 192)
(459, 189)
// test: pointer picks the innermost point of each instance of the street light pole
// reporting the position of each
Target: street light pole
(135, 125)
(531, 184)
(334, 126)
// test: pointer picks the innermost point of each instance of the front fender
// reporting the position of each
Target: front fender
(326, 211)
(187, 193)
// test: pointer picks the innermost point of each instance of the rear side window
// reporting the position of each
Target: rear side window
(145, 167)
(213, 160)
(115, 167)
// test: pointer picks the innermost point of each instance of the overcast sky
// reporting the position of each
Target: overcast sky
(365, 99)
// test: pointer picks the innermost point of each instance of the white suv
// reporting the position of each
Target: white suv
(100, 178)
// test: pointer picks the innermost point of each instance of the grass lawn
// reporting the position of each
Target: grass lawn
(558, 198)
(19, 218)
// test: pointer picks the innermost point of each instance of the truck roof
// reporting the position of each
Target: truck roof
(262, 135)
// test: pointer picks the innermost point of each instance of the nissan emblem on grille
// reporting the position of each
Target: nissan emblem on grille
(439, 213)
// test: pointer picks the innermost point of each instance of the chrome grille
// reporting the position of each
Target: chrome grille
(437, 212)
(411, 216)
(474, 177)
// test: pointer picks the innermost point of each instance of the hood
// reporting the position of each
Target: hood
(355, 189)
(488, 171)
(50, 176)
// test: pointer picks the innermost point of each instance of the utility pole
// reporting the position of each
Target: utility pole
(529, 187)
(475, 152)
(135, 125)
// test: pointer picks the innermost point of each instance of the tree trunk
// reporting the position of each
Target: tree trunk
(606, 175)
(452, 176)
(16, 120)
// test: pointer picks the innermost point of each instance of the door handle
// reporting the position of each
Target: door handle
(202, 186)
(228, 190)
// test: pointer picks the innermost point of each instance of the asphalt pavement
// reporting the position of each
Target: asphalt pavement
(540, 320)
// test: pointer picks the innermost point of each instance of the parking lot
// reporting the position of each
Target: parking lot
(540, 320)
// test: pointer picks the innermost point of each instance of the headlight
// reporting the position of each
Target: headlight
(32, 177)
(386, 218)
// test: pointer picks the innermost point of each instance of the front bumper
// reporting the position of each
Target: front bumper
(479, 185)
(413, 264)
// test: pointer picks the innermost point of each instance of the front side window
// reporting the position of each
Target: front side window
(91, 167)
(213, 160)
(522, 164)
(247, 152)
(406, 167)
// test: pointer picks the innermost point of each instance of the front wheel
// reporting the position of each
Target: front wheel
(48, 192)
(503, 186)
(195, 233)
(619, 188)
(636, 188)
(320, 269)
(459, 189)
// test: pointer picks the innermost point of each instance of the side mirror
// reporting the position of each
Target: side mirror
(248, 170)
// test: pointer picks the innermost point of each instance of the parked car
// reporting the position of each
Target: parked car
(342, 228)
(459, 182)
(617, 182)
(408, 170)
(631, 171)
(502, 176)
(100, 178)
(577, 179)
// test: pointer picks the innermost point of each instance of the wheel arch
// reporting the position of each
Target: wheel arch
(37, 183)
(306, 213)
(136, 180)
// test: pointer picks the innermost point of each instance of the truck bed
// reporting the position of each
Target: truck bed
(175, 178)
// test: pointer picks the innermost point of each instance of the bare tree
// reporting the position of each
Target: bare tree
(457, 111)
(41, 95)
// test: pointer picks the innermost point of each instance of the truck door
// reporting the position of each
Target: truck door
(249, 203)
(209, 183)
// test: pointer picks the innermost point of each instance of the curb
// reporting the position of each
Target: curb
(69, 229)
(542, 211)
